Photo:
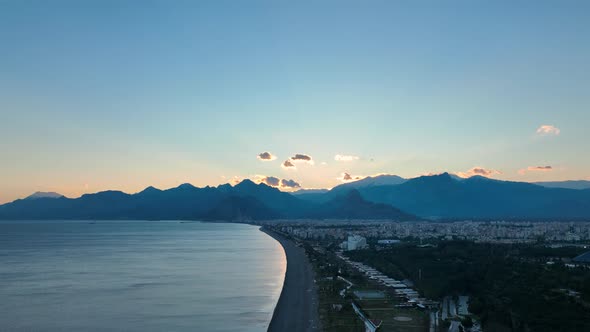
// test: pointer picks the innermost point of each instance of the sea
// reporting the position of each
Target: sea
(137, 276)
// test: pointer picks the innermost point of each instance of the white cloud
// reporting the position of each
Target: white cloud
(547, 130)
(340, 157)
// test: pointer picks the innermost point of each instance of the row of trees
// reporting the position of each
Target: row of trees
(511, 287)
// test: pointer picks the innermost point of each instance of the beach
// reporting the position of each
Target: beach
(297, 308)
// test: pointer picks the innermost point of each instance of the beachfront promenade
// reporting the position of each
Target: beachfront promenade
(297, 308)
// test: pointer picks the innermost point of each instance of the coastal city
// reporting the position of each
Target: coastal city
(478, 231)
(295, 166)
(363, 286)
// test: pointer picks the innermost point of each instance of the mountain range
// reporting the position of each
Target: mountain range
(448, 197)
(384, 197)
(242, 202)
(571, 184)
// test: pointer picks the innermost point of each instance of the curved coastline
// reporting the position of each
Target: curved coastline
(297, 307)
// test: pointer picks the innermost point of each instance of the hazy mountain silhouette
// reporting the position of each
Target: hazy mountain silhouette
(432, 197)
(351, 205)
(40, 194)
(244, 201)
(447, 196)
(370, 181)
(572, 184)
(282, 202)
(241, 208)
(443, 197)
(309, 191)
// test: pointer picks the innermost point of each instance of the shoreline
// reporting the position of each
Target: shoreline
(297, 307)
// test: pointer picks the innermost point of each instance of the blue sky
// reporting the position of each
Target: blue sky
(99, 95)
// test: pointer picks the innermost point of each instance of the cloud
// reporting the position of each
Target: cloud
(288, 165)
(266, 156)
(270, 181)
(535, 169)
(540, 168)
(277, 183)
(346, 177)
(479, 171)
(302, 158)
(341, 157)
(547, 130)
(290, 184)
(235, 180)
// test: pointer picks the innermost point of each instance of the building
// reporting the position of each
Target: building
(356, 242)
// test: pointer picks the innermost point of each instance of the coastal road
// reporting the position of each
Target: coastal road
(297, 308)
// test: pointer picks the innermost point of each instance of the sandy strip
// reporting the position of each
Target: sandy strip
(297, 308)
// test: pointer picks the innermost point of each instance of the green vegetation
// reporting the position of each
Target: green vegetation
(336, 312)
(395, 319)
(335, 318)
(511, 286)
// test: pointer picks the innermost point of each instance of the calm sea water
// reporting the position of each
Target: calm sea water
(137, 276)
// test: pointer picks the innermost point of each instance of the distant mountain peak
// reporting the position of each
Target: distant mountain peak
(354, 196)
(479, 178)
(107, 193)
(41, 194)
(456, 177)
(371, 181)
(186, 186)
(150, 190)
(381, 176)
(246, 183)
(352, 205)
(224, 187)
(440, 177)
(249, 186)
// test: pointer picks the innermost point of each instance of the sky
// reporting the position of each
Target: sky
(121, 95)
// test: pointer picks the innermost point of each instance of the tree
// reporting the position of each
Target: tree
(467, 322)
(476, 306)
(445, 324)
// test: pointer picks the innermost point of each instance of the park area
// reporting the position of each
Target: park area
(392, 319)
